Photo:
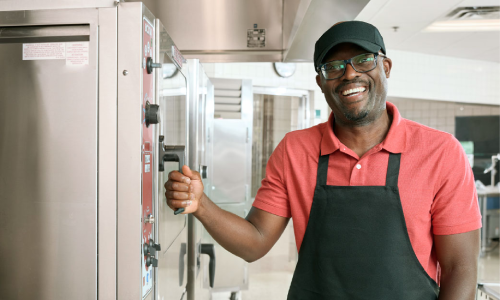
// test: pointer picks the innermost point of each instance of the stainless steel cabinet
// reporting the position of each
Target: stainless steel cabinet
(230, 183)
(232, 272)
(232, 159)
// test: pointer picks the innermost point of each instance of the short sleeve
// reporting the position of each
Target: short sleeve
(455, 207)
(272, 195)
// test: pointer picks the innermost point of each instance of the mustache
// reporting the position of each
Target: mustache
(345, 83)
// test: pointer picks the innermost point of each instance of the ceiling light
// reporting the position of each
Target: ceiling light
(464, 25)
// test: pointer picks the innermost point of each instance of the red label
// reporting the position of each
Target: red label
(177, 56)
(147, 136)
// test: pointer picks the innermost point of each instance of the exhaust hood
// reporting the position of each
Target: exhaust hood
(251, 30)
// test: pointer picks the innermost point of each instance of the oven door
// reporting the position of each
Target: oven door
(48, 154)
(171, 229)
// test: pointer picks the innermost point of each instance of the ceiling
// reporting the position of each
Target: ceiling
(412, 17)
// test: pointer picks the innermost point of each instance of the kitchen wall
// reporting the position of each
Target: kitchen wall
(414, 75)
(285, 117)
(274, 116)
(440, 114)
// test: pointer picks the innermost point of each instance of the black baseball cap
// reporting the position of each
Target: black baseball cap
(360, 33)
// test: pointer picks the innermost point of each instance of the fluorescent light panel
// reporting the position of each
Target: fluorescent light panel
(464, 25)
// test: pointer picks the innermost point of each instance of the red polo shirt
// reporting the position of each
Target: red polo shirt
(436, 183)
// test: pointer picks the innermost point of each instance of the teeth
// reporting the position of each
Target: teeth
(351, 91)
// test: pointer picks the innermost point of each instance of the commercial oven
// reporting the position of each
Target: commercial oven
(93, 116)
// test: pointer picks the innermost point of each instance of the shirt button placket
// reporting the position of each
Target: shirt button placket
(355, 175)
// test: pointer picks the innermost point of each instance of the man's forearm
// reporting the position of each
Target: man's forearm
(232, 232)
(458, 284)
(458, 257)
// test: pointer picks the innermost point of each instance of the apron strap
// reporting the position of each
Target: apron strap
(322, 169)
(392, 176)
(392, 169)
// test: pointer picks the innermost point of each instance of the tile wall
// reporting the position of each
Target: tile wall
(285, 117)
(274, 117)
(440, 114)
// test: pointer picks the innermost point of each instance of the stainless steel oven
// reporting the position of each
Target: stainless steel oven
(93, 115)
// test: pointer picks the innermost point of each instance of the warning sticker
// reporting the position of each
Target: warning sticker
(256, 38)
(77, 53)
(41, 51)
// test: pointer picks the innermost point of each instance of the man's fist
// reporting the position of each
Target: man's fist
(184, 190)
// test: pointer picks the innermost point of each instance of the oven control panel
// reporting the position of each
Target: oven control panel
(149, 118)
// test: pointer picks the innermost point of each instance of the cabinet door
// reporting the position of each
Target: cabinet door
(230, 155)
(231, 273)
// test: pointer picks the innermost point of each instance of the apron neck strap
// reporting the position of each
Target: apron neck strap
(392, 169)
(322, 169)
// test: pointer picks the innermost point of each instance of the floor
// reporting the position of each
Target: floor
(270, 277)
(489, 269)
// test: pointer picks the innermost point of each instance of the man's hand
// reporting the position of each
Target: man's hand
(184, 190)
(249, 238)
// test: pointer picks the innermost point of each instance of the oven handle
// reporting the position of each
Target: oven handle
(171, 153)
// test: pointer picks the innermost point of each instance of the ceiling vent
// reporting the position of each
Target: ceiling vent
(475, 13)
(468, 19)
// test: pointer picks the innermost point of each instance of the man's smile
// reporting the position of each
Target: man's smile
(352, 93)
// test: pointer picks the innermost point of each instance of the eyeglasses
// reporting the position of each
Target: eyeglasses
(360, 63)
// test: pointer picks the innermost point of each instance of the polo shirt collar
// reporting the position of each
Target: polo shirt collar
(394, 142)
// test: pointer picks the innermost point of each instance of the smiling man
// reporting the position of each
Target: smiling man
(383, 207)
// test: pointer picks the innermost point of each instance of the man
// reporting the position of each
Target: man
(383, 207)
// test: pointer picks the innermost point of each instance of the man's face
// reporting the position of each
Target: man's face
(356, 99)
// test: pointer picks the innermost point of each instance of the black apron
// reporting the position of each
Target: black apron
(356, 245)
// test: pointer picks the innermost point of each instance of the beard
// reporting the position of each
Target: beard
(360, 116)
(355, 116)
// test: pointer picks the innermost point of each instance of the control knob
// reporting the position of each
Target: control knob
(154, 247)
(150, 65)
(152, 114)
(151, 247)
(150, 260)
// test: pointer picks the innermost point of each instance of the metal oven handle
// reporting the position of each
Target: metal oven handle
(59, 33)
(171, 153)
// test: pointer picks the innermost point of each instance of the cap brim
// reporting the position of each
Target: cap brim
(368, 46)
